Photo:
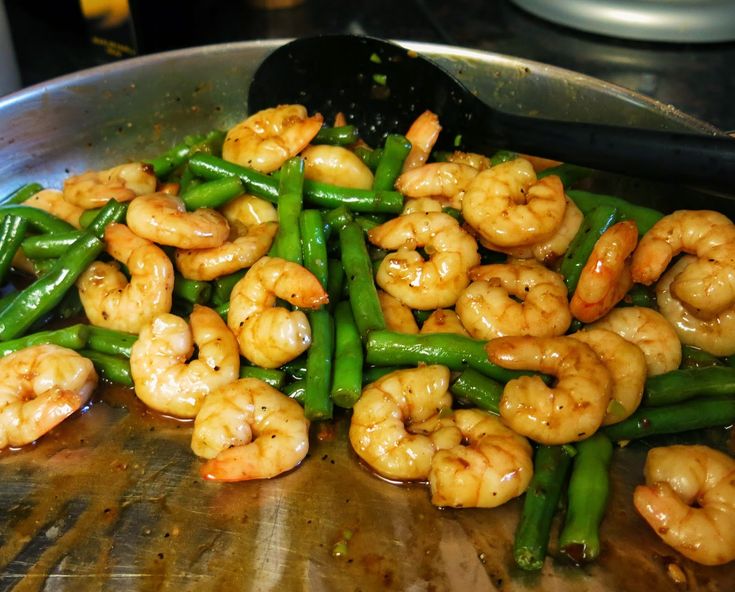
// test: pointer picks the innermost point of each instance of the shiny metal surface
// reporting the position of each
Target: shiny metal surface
(112, 500)
(647, 20)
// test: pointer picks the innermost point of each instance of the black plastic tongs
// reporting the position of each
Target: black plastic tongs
(382, 86)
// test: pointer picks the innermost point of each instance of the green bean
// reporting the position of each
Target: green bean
(589, 490)
(70, 305)
(363, 293)
(222, 287)
(12, 232)
(48, 246)
(272, 376)
(296, 369)
(594, 225)
(387, 348)
(371, 158)
(313, 244)
(335, 282)
(373, 373)
(110, 341)
(110, 367)
(502, 156)
(673, 419)
(342, 135)
(22, 193)
(479, 390)
(348, 358)
(37, 219)
(187, 181)
(223, 309)
(113, 211)
(680, 385)
(212, 194)
(336, 219)
(194, 291)
(317, 402)
(644, 217)
(7, 298)
(693, 357)
(42, 266)
(454, 213)
(550, 468)
(639, 295)
(87, 216)
(72, 337)
(176, 156)
(290, 202)
(394, 154)
(569, 174)
(296, 390)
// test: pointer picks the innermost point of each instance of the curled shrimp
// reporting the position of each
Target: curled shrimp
(715, 335)
(422, 134)
(706, 287)
(165, 378)
(507, 206)
(490, 306)
(269, 335)
(398, 317)
(253, 226)
(110, 300)
(53, 202)
(571, 410)
(405, 274)
(249, 430)
(605, 278)
(40, 387)
(268, 138)
(477, 161)
(394, 426)
(94, 189)
(423, 205)
(443, 321)
(650, 331)
(492, 465)
(444, 181)
(163, 219)
(627, 366)
(689, 501)
(337, 166)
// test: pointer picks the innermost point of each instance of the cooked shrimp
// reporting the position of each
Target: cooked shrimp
(422, 134)
(650, 331)
(253, 226)
(443, 321)
(605, 278)
(444, 181)
(163, 219)
(420, 284)
(508, 207)
(398, 317)
(478, 161)
(490, 306)
(40, 387)
(268, 138)
(715, 335)
(539, 163)
(110, 300)
(53, 202)
(249, 430)
(689, 501)
(270, 336)
(423, 205)
(94, 189)
(337, 166)
(571, 410)
(382, 426)
(492, 465)
(163, 378)
(708, 287)
(627, 366)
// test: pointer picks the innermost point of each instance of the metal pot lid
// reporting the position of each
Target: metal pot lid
(697, 21)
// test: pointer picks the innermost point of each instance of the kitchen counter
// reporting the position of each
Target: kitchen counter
(696, 78)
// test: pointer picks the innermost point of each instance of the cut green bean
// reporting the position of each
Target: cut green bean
(693, 357)
(296, 390)
(176, 156)
(569, 174)
(342, 135)
(296, 369)
(272, 376)
(336, 219)
(314, 245)
(49, 246)
(70, 305)
(479, 390)
(363, 293)
(317, 402)
(371, 158)
(290, 201)
(348, 358)
(639, 295)
(37, 219)
(222, 287)
(644, 217)
(193, 291)
(373, 373)
(22, 193)
(110, 341)
(335, 282)
(589, 490)
(212, 194)
(87, 216)
(394, 154)
(673, 419)
(502, 156)
(112, 212)
(12, 232)
(594, 225)
(550, 468)
(110, 367)
(72, 337)
(680, 385)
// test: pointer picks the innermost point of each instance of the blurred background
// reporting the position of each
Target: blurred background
(51, 38)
